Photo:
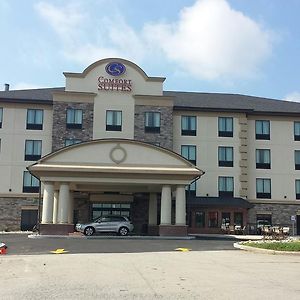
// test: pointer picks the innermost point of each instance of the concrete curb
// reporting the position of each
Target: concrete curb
(229, 236)
(107, 237)
(15, 232)
(264, 251)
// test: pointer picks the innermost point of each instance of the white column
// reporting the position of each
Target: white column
(180, 206)
(166, 205)
(63, 202)
(153, 209)
(55, 208)
(47, 203)
(71, 208)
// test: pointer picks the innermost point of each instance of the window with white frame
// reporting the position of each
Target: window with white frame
(262, 129)
(152, 122)
(297, 131)
(191, 189)
(297, 159)
(225, 125)
(74, 118)
(30, 183)
(263, 188)
(297, 186)
(114, 120)
(189, 153)
(35, 119)
(1, 116)
(226, 186)
(33, 150)
(188, 125)
(225, 156)
(263, 159)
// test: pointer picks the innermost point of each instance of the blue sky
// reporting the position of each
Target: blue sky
(231, 46)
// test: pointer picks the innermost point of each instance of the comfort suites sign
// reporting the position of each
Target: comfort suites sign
(114, 69)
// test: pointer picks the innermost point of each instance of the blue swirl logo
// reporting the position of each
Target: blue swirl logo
(115, 68)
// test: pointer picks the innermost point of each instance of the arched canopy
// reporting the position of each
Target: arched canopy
(108, 163)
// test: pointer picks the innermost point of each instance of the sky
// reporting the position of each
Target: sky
(224, 46)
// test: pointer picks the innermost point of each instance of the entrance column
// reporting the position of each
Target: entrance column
(180, 206)
(166, 205)
(55, 208)
(47, 213)
(152, 225)
(63, 202)
(71, 208)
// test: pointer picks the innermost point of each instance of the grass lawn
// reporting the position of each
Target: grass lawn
(279, 246)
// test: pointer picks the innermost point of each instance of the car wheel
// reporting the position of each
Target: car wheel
(123, 231)
(89, 231)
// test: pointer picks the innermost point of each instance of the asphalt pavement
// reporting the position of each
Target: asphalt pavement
(19, 244)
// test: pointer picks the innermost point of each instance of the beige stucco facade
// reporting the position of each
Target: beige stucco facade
(13, 135)
(207, 143)
(141, 84)
(282, 147)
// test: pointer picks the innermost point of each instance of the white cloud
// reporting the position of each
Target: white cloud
(85, 40)
(65, 21)
(295, 97)
(211, 40)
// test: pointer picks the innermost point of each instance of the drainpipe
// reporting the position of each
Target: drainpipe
(39, 207)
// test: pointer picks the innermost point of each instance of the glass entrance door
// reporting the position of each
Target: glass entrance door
(105, 209)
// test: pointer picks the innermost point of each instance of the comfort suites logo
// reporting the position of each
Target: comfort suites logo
(114, 69)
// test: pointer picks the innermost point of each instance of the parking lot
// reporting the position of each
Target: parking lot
(21, 244)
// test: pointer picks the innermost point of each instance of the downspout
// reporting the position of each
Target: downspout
(39, 207)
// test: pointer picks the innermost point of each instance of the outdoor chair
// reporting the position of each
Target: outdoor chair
(286, 231)
(231, 229)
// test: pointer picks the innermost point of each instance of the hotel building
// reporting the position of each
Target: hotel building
(112, 141)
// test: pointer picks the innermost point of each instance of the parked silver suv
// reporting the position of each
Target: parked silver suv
(118, 224)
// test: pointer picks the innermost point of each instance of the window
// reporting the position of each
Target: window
(297, 131)
(200, 219)
(225, 186)
(189, 153)
(225, 156)
(116, 209)
(213, 219)
(263, 159)
(297, 185)
(188, 125)
(238, 218)
(69, 142)
(35, 119)
(74, 118)
(30, 183)
(263, 188)
(225, 218)
(152, 122)
(263, 221)
(226, 126)
(297, 159)
(33, 150)
(113, 120)
(1, 116)
(191, 189)
(262, 130)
